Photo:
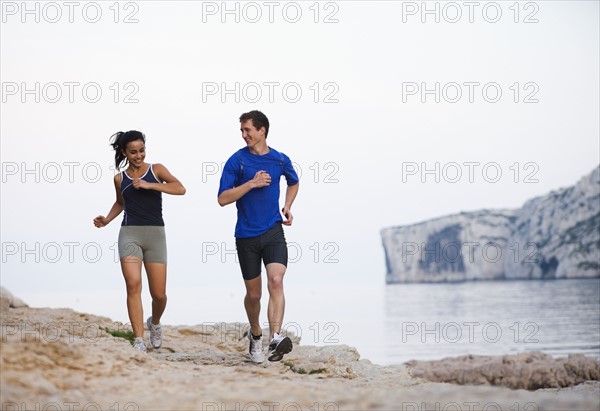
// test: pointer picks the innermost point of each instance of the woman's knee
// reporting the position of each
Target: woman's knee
(160, 297)
(134, 286)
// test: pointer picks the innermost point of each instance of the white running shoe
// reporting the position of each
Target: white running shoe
(279, 346)
(139, 344)
(155, 333)
(256, 348)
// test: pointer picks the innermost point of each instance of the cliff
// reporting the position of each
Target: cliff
(550, 237)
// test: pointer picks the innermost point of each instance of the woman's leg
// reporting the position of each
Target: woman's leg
(157, 281)
(132, 272)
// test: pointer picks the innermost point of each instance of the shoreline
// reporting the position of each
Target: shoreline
(71, 362)
(393, 337)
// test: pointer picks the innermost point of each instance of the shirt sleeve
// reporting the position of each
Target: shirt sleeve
(230, 175)
(289, 172)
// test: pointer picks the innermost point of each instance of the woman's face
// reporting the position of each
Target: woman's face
(135, 151)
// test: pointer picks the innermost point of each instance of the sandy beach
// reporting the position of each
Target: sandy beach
(60, 359)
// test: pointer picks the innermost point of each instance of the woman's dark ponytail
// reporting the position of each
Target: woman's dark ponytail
(119, 142)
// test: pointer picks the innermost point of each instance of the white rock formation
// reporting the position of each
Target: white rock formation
(552, 236)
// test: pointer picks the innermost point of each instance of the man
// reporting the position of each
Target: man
(251, 178)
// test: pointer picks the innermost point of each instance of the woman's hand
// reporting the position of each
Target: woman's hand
(139, 183)
(101, 221)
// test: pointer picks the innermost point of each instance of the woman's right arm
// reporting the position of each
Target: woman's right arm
(117, 207)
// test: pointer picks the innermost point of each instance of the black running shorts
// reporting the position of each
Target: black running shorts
(270, 247)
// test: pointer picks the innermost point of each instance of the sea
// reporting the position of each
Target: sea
(432, 321)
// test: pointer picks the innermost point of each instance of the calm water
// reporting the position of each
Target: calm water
(431, 321)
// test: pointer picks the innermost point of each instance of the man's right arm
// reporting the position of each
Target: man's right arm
(261, 179)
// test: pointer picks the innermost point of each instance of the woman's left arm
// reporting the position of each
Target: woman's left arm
(169, 183)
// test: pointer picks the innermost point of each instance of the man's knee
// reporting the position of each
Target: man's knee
(254, 293)
(276, 283)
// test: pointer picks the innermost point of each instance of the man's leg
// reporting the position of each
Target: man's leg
(252, 304)
(279, 344)
(276, 308)
(275, 257)
(249, 257)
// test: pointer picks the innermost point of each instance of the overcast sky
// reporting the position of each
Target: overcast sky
(499, 101)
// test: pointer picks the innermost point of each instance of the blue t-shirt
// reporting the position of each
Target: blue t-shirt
(258, 209)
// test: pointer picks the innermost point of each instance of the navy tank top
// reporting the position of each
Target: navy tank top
(142, 207)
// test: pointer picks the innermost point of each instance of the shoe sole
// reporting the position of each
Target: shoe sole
(256, 361)
(148, 324)
(284, 347)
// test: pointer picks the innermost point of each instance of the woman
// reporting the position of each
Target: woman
(139, 191)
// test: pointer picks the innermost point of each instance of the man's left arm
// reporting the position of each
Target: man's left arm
(290, 196)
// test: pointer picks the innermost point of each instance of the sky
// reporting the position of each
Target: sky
(392, 113)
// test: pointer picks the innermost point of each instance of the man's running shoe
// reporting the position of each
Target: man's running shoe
(279, 346)
(256, 348)
(155, 333)
(139, 344)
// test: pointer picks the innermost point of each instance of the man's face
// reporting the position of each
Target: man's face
(250, 134)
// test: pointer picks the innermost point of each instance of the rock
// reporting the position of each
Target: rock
(13, 302)
(552, 236)
(530, 371)
(591, 388)
(62, 359)
(4, 302)
(210, 356)
(332, 360)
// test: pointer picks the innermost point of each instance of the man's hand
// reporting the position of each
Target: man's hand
(261, 179)
(288, 215)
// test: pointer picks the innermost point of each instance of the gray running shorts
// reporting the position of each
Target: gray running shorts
(147, 242)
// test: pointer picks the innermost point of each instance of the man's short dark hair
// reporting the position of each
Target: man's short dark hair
(259, 120)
